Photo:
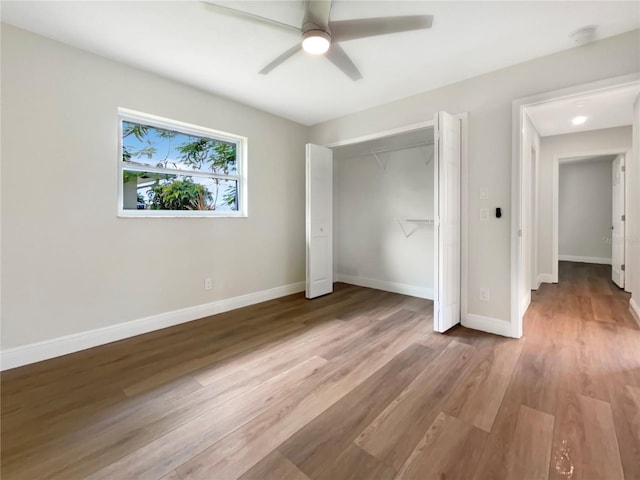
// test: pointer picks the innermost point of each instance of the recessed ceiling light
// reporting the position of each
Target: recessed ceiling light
(315, 42)
(579, 120)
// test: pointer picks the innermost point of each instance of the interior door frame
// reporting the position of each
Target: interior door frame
(555, 204)
(517, 122)
(464, 204)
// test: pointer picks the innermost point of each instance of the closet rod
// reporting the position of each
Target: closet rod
(394, 149)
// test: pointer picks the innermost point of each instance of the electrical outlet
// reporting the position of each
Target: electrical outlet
(208, 284)
(484, 295)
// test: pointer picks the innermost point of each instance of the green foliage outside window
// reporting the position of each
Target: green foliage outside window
(166, 149)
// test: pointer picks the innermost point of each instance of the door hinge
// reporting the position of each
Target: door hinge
(622, 267)
(623, 218)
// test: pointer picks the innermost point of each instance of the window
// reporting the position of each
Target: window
(169, 168)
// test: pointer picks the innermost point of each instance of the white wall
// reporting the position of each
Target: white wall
(371, 247)
(69, 264)
(559, 145)
(488, 99)
(584, 210)
(633, 238)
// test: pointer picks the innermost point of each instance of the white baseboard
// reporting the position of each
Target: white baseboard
(487, 324)
(402, 288)
(574, 258)
(635, 310)
(544, 278)
(35, 352)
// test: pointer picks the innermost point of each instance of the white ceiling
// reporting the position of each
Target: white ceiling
(192, 43)
(607, 109)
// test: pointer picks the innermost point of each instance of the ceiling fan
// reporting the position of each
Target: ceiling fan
(321, 36)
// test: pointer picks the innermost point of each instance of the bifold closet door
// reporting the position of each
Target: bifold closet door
(319, 210)
(447, 157)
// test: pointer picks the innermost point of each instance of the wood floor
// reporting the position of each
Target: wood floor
(349, 386)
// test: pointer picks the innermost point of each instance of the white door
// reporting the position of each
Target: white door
(617, 233)
(447, 153)
(319, 205)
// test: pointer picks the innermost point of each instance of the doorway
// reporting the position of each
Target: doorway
(589, 211)
(387, 230)
(622, 90)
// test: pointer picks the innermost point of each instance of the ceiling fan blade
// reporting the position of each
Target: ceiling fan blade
(317, 13)
(340, 59)
(250, 16)
(342, 30)
(289, 53)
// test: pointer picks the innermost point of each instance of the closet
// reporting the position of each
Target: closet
(384, 212)
(383, 235)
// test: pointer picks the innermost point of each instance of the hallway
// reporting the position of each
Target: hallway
(588, 350)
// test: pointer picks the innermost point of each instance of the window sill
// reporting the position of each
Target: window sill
(195, 214)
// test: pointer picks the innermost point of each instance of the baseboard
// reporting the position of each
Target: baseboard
(487, 324)
(635, 310)
(544, 278)
(575, 258)
(35, 352)
(402, 288)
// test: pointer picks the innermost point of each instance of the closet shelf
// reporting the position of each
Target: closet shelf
(417, 220)
(410, 225)
(377, 153)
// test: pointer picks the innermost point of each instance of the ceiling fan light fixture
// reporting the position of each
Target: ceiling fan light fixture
(316, 42)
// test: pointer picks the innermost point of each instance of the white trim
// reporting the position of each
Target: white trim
(242, 148)
(635, 310)
(526, 301)
(488, 324)
(533, 208)
(555, 216)
(402, 288)
(518, 107)
(385, 133)
(464, 216)
(516, 227)
(544, 278)
(35, 352)
(581, 259)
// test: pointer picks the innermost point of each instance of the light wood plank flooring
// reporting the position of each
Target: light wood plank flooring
(349, 386)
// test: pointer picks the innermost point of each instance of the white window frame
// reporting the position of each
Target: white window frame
(188, 129)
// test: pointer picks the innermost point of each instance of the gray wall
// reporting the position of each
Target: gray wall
(369, 200)
(633, 210)
(488, 99)
(69, 264)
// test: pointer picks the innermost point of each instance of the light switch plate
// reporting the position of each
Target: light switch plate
(484, 214)
(484, 194)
